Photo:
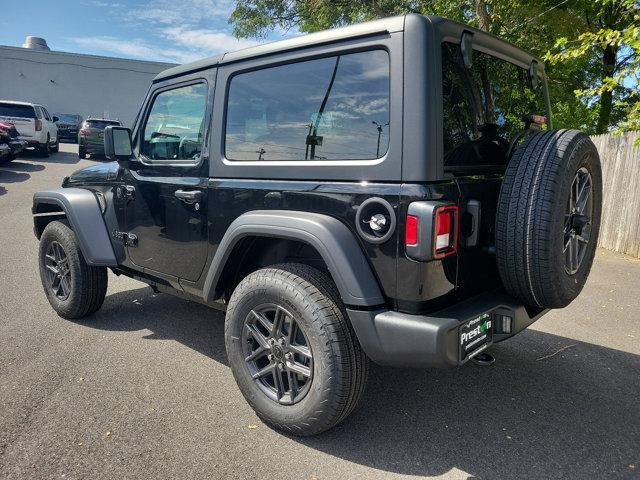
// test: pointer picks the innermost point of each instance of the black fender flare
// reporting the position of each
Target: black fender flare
(83, 212)
(334, 241)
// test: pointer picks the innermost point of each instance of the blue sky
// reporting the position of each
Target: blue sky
(161, 30)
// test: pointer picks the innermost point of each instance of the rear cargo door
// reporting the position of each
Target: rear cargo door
(22, 116)
(484, 110)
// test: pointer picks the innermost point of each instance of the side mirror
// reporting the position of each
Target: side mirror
(117, 144)
(55, 119)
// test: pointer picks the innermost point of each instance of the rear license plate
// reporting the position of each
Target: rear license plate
(475, 335)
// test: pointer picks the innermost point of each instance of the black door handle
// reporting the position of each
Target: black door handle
(189, 196)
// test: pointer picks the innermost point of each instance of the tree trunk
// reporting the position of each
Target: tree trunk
(606, 99)
(484, 19)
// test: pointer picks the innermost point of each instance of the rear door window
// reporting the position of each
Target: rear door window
(174, 129)
(331, 108)
(483, 107)
(19, 111)
(101, 124)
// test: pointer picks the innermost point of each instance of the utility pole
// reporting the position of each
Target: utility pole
(379, 128)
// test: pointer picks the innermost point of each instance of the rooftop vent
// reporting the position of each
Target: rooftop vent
(35, 43)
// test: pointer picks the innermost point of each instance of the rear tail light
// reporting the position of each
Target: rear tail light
(446, 231)
(431, 230)
(411, 230)
(38, 125)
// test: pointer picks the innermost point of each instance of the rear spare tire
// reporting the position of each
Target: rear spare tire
(548, 218)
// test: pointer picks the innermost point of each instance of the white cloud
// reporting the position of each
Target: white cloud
(175, 31)
(135, 48)
(205, 41)
(168, 12)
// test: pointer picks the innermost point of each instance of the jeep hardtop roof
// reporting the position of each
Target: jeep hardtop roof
(439, 28)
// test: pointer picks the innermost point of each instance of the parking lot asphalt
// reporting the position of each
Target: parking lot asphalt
(143, 390)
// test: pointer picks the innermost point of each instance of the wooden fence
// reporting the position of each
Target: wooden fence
(620, 227)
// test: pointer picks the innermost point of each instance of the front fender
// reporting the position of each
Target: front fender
(330, 237)
(82, 210)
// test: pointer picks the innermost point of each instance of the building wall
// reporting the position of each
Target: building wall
(81, 84)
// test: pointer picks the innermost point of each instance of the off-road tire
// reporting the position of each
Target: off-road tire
(88, 283)
(531, 216)
(340, 366)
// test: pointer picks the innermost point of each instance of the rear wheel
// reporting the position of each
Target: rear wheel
(292, 351)
(548, 218)
(45, 149)
(73, 288)
(56, 146)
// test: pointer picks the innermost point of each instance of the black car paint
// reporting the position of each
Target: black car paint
(165, 250)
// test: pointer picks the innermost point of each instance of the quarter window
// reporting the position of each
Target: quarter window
(332, 108)
(483, 107)
(174, 129)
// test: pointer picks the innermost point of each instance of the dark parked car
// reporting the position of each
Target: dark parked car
(68, 126)
(91, 136)
(10, 143)
(392, 191)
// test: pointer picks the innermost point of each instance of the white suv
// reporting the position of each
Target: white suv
(34, 124)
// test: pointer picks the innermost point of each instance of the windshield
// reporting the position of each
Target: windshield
(14, 110)
(67, 117)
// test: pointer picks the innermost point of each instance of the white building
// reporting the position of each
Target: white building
(88, 85)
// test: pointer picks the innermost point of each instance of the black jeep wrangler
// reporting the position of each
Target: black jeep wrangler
(391, 191)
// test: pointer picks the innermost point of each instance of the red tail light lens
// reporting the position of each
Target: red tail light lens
(445, 240)
(411, 230)
(38, 125)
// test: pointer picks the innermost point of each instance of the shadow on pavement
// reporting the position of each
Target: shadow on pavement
(57, 157)
(7, 175)
(572, 415)
(18, 166)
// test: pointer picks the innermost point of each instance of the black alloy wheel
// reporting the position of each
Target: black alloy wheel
(277, 353)
(58, 273)
(577, 229)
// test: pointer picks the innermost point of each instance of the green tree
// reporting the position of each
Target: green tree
(610, 46)
(586, 92)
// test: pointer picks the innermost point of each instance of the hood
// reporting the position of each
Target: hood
(99, 173)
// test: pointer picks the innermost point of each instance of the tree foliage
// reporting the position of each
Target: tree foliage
(578, 38)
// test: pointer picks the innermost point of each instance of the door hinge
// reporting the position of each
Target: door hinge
(127, 239)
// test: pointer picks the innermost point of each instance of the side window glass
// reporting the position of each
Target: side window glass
(46, 114)
(483, 107)
(331, 108)
(39, 113)
(174, 129)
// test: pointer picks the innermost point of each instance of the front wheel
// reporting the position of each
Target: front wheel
(73, 288)
(292, 351)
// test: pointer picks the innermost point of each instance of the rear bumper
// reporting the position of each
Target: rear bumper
(68, 134)
(403, 340)
(91, 147)
(17, 146)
